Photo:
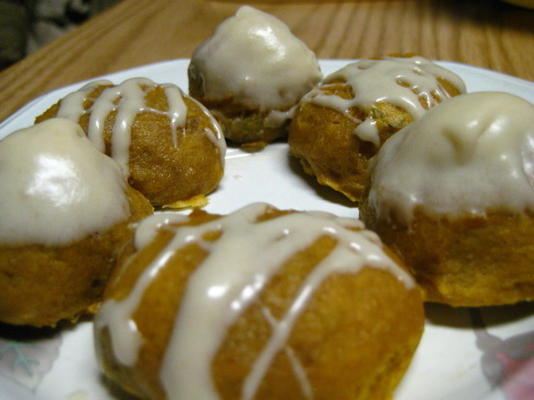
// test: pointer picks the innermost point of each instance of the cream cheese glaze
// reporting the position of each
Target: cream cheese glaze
(254, 59)
(471, 153)
(127, 100)
(56, 187)
(410, 83)
(238, 266)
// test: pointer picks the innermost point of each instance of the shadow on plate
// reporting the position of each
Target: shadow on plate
(461, 317)
(29, 333)
(324, 192)
(115, 391)
(26, 333)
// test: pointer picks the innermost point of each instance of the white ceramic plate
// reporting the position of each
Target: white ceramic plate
(464, 354)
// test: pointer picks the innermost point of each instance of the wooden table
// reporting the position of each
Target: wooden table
(484, 33)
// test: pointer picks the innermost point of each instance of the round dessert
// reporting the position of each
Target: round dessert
(453, 195)
(169, 146)
(342, 122)
(250, 74)
(66, 211)
(258, 304)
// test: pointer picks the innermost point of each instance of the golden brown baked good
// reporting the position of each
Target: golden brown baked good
(471, 260)
(262, 304)
(342, 122)
(250, 74)
(169, 146)
(453, 196)
(66, 212)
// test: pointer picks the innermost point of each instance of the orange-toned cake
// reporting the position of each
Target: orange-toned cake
(167, 144)
(343, 121)
(453, 195)
(258, 304)
(66, 211)
(251, 73)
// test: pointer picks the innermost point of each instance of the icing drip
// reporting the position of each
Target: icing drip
(238, 266)
(71, 107)
(132, 102)
(56, 187)
(216, 135)
(254, 59)
(403, 82)
(127, 100)
(471, 153)
(367, 131)
(277, 118)
(176, 109)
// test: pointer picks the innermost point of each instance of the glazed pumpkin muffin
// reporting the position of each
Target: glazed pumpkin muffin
(258, 304)
(250, 74)
(167, 144)
(342, 122)
(66, 213)
(453, 195)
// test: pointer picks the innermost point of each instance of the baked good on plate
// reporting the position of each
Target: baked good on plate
(169, 146)
(453, 195)
(65, 212)
(250, 74)
(342, 122)
(258, 304)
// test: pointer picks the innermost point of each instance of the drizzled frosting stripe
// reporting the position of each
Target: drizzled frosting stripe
(127, 100)
(412, 84)
(238, 266)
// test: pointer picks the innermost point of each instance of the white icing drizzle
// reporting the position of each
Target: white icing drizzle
(176, 109)
(398, 81)
(470, 153)
(298, 369)
(71, 107)
(216, 135)
(56, 187)
(132, 102)
(118, 316)
(368, 131)
(277, 118)
(238, 266)
(128, 100)
(254, 58)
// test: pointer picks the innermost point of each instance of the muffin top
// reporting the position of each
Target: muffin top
(467, 155)
(127, 100)
(413, 84)
(254, 59)
(244, 250)
(56, 186)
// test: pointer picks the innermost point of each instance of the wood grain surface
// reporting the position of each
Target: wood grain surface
(484, 33)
